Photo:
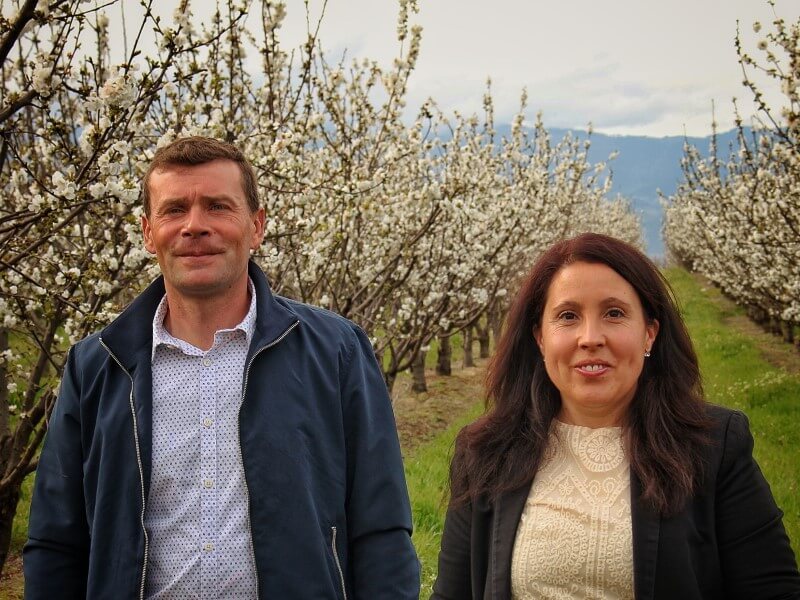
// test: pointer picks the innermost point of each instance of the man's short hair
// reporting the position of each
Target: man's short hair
(197, 150)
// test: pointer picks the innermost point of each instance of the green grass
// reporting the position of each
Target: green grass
(427, 474)
(735, 374)
(19, 528)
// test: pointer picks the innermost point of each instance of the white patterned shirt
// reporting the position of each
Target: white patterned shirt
(197, 514)
(574, 539)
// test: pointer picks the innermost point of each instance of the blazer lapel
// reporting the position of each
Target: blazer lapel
(646, 525)
(507, 512)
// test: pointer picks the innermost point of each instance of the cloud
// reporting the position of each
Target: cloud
(572, 99)
(628, 65)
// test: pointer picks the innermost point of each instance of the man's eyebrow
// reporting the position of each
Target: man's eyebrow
(219, 198)
(171, 202)
(181, 200)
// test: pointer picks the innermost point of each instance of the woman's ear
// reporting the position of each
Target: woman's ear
(537, 335)
(652, 332)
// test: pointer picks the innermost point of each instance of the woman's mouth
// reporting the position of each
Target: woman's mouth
(592, 369)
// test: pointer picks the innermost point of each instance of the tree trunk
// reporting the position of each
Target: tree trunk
(468, 359)
(483, 339)
(444, 357)
(5, 426)
(787, 331)
(388, 379)
(418, 372)
(774, 326)
(8, 507)
(388, 362)
(495, 323)
(8, 500)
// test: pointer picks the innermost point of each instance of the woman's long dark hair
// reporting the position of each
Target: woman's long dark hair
(666, 424)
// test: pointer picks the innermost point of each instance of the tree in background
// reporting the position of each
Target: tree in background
(737, 221)
(412, 228)
(73, 145)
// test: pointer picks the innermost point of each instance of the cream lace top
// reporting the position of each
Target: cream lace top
(574, 537)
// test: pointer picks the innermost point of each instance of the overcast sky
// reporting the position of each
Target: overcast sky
(648, 67)
(627, 66)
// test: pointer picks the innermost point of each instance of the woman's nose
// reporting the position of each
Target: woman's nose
(591, 333)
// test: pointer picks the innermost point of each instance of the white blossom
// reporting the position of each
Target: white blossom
(41, 79)
(118, 92)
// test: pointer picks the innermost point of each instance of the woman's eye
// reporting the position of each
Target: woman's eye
(616, 313)
(567, 316)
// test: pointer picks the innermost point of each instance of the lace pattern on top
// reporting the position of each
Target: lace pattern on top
(574, 538)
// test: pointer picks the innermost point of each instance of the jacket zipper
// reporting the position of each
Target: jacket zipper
(139, 463)
(338, 564)
(241, 457)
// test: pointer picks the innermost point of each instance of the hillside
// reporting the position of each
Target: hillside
(644, 166)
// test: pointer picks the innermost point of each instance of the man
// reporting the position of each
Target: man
(216, 441)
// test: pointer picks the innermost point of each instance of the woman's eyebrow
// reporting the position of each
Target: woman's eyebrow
(616, 301)
(564, 304)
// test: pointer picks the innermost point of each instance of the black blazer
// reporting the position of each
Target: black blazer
(727, 543)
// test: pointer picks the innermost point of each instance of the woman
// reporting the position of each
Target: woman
(599, 471)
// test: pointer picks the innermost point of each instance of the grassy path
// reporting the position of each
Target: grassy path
(742, 368)
(747, 369)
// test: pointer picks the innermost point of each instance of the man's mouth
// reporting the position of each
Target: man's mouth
(197, 253)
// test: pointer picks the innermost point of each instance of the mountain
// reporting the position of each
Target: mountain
(644, 166)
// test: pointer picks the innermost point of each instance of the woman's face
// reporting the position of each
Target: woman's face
(593, 337)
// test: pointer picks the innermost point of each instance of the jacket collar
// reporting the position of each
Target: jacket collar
(130, 336)
(507, 513)
(129, 339)
(646, 525)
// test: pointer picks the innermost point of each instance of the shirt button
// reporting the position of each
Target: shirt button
(207, 422)
(208, 483)
(206, 362)
(208, 546)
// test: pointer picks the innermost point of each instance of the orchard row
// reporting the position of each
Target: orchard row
(412, 224)
(736, 220)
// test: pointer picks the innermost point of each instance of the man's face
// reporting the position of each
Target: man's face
(201, 228)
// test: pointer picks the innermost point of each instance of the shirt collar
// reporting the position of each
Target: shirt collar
(163, 337)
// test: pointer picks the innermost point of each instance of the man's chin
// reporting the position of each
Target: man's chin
(201, 285)
(203, 280)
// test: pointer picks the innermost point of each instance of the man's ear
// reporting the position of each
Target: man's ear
(147, 235)
(258, 217)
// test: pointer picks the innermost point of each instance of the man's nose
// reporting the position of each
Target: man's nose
(196, 223)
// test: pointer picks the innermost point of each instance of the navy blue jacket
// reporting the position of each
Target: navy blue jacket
(329, 509)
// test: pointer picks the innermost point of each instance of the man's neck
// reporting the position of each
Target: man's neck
(196, 320)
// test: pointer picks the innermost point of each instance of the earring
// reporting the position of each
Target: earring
(647, 353)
